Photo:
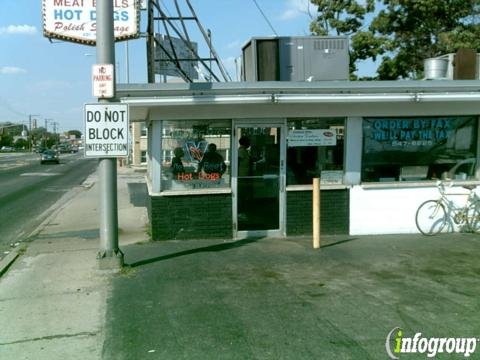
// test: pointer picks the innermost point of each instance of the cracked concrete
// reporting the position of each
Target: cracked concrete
(52, 302)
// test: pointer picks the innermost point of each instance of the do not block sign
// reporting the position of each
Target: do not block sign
(106, 130)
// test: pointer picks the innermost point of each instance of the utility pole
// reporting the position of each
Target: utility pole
(46, 136)
(109, 255)
(56, 138)
(30, 144)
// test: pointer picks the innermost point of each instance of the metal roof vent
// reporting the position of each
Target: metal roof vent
(329, 44)
(435, 68)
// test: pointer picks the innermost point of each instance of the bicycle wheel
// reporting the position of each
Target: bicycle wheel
(473, 218)
(430, 217)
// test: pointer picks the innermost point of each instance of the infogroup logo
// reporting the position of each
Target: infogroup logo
(397, 344)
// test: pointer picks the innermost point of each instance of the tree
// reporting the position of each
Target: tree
(404, 32)
(346, 17)
(412, 31)
(37, 134)
(21, 144)
(40, 136)
(77, 133)
(6, 139)
(50, 140)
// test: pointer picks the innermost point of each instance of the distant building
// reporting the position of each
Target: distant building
(139, 132)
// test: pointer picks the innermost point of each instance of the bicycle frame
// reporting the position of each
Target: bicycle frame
(459, 214)
(433, 216)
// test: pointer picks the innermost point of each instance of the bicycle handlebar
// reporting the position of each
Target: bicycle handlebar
(443, 185)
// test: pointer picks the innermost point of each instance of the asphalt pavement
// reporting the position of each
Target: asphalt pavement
(259, 298)
(30, 191)
(280, 299)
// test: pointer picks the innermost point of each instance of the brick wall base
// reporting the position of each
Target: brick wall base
(191, 217)
(334, 212)
(210, 216)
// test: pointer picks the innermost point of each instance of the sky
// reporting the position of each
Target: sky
(51, 80)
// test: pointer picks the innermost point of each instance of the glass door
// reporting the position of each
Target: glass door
(259, 180)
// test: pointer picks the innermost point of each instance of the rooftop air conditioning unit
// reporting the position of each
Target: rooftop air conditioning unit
(306, 58)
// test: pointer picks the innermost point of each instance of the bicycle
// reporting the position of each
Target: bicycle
(433, 215)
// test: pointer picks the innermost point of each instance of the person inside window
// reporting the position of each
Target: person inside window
(212, 162)
(244, 157)
(244, 184)
(177, 165)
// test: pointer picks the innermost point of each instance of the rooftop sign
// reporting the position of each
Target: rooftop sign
(163, 64)
(76, 20)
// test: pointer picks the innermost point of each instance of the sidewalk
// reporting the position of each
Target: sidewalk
(258, 298)
(52, 299)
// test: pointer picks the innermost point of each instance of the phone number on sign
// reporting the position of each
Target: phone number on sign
(413, 143)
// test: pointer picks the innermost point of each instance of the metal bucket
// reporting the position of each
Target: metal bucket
(435, 68)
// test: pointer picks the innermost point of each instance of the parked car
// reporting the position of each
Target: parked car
(49, 156)
(62, 149)
(463, 170)
(7, 149)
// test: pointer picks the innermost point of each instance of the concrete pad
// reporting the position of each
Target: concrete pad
(54, 302)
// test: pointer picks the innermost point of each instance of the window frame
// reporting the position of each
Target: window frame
(397, 180)
(334, 183)
(227, 188)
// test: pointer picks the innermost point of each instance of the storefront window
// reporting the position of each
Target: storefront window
(412, 149)
(196, 154)
(315, 149)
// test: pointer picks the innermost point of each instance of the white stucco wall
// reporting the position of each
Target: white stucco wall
(391, 211)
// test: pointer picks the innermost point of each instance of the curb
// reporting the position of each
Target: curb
(8, 260)
(54, 211)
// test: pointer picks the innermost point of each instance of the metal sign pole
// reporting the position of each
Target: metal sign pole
(316, 213)
(109, 255)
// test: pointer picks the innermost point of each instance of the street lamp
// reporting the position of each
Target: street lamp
(127, 64)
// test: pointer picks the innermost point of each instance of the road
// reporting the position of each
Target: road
(28, 189)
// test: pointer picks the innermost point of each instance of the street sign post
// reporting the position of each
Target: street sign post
(106, 130)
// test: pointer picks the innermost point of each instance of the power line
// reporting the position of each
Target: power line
(265, 17)
(5, 104)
